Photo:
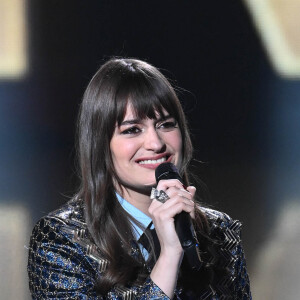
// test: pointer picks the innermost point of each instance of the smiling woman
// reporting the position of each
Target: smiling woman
(114, 241)
(139, 146)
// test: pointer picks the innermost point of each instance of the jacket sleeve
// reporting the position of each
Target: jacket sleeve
(242, 283)
(231, 251)
(233, 246)
(59, 268)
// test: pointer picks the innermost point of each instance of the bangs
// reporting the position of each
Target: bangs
(149, 98)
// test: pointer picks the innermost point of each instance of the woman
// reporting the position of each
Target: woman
(99, 245)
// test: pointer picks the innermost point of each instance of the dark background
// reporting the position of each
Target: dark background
(243, 117)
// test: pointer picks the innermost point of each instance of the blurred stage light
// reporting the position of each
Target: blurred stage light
(278, 23)
(15, 224)
(276, 272)
(13, 57)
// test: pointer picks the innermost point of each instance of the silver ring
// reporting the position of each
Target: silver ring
(160, 196)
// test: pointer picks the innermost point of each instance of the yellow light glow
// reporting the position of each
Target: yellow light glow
(276, 271)
(14, 236)
(13, 56)
(278, 23)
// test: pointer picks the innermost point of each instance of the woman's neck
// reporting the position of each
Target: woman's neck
(139, 200)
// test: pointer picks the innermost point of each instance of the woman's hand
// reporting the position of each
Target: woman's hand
(163, 214)
(165, 271)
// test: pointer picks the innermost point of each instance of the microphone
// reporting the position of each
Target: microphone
(183, 223)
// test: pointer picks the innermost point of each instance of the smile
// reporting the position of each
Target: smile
(151, 161)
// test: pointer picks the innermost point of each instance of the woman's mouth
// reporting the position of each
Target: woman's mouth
(153, 163)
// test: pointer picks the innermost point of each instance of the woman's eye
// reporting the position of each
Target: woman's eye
(168, 125)
(131, 130)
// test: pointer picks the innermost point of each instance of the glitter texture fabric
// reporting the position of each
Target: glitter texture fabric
(64, 263)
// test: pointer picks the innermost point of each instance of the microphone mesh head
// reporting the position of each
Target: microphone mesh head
(166, 171)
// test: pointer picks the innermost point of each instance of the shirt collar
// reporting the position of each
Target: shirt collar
(136, 214)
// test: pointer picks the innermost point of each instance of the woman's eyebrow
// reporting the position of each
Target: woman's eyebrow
(163, 118)
(139, 121)
(130, 122)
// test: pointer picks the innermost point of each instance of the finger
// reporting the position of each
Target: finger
(175, 196)
(166, 213)
(192, 214)
(173, 191)
(166, 184)
(189, 192)
(177, 199)
(156, 208)
(153, 206)
(192, 190)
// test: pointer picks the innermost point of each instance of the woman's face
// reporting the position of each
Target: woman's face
(139, 146)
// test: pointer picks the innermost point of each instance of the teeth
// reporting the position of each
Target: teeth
(150, 161)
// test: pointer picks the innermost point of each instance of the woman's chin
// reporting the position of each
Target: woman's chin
(151, 184)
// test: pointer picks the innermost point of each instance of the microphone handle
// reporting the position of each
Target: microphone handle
(187, 237)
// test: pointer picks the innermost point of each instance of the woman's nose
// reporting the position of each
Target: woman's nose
(153, 141)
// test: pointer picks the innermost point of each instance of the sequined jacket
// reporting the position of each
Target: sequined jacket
(63, 261)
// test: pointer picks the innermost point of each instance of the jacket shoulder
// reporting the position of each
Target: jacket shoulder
(228, 254)
(214, 214)
(71, 212)
(62, 258)
(224, 229)
(68, 225)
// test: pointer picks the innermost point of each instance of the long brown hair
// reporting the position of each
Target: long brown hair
(104, 105)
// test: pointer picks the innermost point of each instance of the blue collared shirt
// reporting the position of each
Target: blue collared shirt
(140, 217)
